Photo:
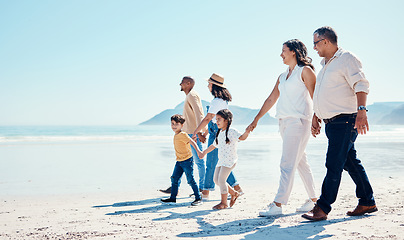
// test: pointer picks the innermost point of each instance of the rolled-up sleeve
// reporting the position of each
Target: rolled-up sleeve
(355, 76)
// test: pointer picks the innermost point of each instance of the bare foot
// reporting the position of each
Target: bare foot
(220, 206)
(234, 198)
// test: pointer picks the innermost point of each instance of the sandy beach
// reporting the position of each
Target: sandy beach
(107, 188)
(124, 216)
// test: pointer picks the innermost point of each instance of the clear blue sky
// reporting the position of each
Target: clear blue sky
(120, 62)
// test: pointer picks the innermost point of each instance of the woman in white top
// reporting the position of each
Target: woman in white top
(221, 98)
(294, 89)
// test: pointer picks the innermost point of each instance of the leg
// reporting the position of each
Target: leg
(294, 139)
(175, 180)
(200, 163)
(304, 167)
(188, 167)
(339, 136)
(211, 161)
(221, 174)
(307, 177)
(358, 174)
(232, 181)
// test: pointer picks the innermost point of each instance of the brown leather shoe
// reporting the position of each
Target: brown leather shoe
(316, 214)
(360, 210)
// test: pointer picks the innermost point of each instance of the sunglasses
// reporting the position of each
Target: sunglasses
(315, 43)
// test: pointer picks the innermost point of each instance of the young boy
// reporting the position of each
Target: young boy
(185, 162)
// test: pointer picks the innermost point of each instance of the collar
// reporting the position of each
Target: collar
(337, 54)
(287, 70)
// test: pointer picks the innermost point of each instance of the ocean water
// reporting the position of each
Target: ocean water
(81, 159)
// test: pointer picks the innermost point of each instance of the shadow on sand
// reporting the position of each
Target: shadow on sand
(253, 228)
(157, 206)
(261, 228)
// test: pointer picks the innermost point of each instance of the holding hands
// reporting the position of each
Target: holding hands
(315, 126)
(252, 126)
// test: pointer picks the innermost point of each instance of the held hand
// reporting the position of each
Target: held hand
(361, 122)
(202, 138)
(201, 154)
(315, 126)
(252, 126)
(194, 137)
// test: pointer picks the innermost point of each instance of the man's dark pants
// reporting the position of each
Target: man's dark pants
(341, 155)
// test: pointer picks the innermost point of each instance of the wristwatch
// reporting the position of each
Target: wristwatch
(361, 107)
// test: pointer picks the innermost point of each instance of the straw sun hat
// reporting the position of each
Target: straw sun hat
(217, 80)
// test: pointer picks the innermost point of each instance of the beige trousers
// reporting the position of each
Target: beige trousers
(220, 176)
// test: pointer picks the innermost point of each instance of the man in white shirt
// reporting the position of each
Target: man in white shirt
(340, 101)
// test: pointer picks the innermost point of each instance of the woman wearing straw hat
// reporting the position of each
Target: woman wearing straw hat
(294, 89)
(221, 98)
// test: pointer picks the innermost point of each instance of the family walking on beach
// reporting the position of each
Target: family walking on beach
(337, 97)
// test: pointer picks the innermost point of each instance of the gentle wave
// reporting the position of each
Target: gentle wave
(80, 138)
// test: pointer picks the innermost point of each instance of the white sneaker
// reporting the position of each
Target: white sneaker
(271, 210)
(205, 197)
(307, 206)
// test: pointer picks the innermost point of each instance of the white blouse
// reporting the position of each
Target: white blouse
(227, 152)
(294, 98)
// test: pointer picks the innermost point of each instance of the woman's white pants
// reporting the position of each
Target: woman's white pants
(295, 133)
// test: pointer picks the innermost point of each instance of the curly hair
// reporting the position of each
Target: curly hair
(298, 47)
(219, 92)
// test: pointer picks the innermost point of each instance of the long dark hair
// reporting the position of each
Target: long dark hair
(226, 115)
(219, 92)
(300, 50)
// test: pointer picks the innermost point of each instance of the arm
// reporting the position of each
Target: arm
(309, 79)
(206, 151)
(268, 104)
(361, 122)
(203, 124)
(193, 143)
(245, 135)
(196, 105)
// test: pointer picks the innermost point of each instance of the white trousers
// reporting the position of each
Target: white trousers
(295, 133)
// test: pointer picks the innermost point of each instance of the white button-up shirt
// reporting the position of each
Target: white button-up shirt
(337, 84)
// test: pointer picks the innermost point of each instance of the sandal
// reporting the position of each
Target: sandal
(220, 206)
(234, 198)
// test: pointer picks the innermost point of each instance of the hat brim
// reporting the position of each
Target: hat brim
(217, 84)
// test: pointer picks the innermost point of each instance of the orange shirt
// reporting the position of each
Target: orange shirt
(182, 146)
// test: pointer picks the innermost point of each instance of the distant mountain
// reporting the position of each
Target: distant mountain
(379, 110)
(395, 117)
(242, 116)
(382, 113)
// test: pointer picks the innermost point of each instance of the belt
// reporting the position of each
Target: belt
(339, 116)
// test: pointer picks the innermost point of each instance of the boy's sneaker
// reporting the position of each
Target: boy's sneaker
(307, 206)
(196, 202)
(270, 210)
(169, 201)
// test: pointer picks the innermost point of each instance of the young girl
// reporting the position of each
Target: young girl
(226, 141)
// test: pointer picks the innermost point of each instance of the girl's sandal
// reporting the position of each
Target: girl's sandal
(234, 198)
(220, 206)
